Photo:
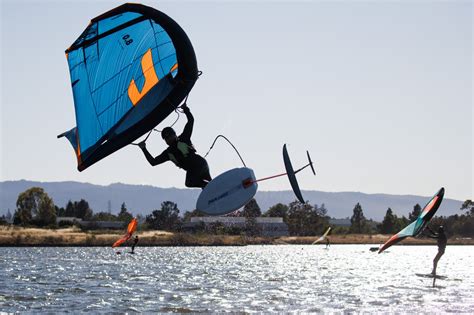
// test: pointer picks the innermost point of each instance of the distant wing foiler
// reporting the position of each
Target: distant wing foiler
(323, 237)
(417, 226)
(132, 227)
(130, 68)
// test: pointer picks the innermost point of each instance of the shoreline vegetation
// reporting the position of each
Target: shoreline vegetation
(75, 237)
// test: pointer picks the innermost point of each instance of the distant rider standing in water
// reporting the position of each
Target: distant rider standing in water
(182, 153)
(135, 241)
(442, 241)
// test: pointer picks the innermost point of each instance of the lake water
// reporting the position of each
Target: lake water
(278, 278)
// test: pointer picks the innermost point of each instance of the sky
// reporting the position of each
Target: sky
(380, 93)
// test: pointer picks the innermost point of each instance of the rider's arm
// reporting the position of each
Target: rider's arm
(430, 233)
(163, 157)
(188, 128)
(433, 234)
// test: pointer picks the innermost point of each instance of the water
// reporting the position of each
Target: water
(283, 278)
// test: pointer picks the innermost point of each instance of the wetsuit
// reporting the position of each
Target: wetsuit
(135, 241)
(442, 242)
(183, 154)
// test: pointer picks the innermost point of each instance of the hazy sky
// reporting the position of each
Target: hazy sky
(379, 92)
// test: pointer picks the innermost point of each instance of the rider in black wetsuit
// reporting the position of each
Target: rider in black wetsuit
(135, 241)
(182, 153)
(442, 241)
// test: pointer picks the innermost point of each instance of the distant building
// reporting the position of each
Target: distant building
(114, 225)
(269, 226)
(340, 222)
(92, 224)
(72, 220)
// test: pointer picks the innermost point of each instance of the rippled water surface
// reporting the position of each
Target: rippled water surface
(239, 279)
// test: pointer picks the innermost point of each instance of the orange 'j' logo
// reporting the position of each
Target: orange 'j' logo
(151, 79)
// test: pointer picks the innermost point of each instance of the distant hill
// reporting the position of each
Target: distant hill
(142, 199)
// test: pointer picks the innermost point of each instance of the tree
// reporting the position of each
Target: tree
(60, 212)
(322, 211)
(252, 209)
(167, 218)
(124, 215)
(468, 205)
(318, 220)
(358, 220)
(304, 219)
(251, 226)
(278, 210)
(82, 210)
(389, 224)
(70, 209)
(77, 209)
(104, 216)
(412, 216)
(34, 206)
(191, 214)
(402, 223)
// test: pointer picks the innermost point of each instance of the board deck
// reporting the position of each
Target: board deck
(228, 192)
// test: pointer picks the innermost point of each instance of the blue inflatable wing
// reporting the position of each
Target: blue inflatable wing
(130, 68)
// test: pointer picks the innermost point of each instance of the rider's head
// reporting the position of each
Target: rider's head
(441, 229)
(169, 135)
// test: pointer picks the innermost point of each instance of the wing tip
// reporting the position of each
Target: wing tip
(441, 192)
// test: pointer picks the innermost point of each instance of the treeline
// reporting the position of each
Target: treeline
(35, 208)
(302, 219)
(459, 224)
(312, 220)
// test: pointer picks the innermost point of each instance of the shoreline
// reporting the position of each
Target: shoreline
(74, 237)
(211, 245)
